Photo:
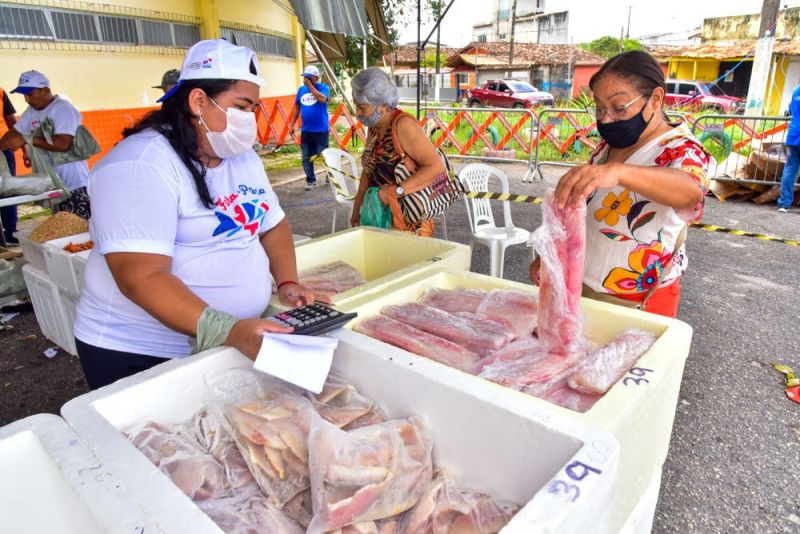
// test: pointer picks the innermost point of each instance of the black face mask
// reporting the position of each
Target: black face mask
(624, 133)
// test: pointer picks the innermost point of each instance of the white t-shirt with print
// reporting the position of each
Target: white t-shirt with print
(145, 200)
(66, 119)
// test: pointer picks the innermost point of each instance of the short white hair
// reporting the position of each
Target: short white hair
(373, 86)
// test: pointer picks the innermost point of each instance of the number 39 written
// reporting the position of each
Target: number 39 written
(638, 377)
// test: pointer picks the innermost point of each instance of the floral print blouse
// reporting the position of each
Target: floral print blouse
(630, 239)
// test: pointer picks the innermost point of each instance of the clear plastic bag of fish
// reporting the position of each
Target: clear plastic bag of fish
(415, 340)
(525, 366)
(341, 404)
(562, 395)
(249, 512)
(332, 278)
(560, 241)
(269, 422)
(454, 300)
(445, 508)
(603, 367)
(475, 332)
(516, 309)
(367, 474)
(177, 454)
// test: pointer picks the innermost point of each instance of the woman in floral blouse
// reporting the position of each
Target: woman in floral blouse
(644, 183)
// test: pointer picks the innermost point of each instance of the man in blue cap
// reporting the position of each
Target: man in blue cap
(311, 104)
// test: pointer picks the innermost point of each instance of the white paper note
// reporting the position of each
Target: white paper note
(300, 360)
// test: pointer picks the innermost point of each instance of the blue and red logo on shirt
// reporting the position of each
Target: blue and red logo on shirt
(245, 215)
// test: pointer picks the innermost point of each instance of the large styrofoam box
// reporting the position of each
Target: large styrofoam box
(51, 482)
(55, 310)
(641, 519)
(69, 304)
(564, 471)
(32, 252)
(638, 410)
(380, 255)
(61, 265)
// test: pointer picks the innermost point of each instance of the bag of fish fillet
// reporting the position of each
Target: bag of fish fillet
(368, 474)
(270, 422)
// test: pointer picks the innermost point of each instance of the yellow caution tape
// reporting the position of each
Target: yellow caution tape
(761, 237)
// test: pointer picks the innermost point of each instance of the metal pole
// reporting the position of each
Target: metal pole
(511, 35)
(438, 81)
(419, 50)
(628, 32)
(331, 73)
(364, 47)
(569, 69)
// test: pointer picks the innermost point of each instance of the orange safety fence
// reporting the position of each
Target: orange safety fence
(107, 125)
(273, 117)
(750, 134)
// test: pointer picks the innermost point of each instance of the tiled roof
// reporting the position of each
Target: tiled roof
(525, 55)
(408, 53)
(721, 51)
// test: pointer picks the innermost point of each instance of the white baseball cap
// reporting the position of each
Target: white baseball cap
(311, 70)
(30, 80)
(217, 59)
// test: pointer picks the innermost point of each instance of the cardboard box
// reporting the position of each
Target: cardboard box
(51, 482)
(561, 471)
(638, 410)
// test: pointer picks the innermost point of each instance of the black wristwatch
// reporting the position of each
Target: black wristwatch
(400, 191)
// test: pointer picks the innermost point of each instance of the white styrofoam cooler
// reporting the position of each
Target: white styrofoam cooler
(380, 255)
(31, 251)
(54, 309)
(51, 482)
(66, 268)
(493, 443)
(639, 410)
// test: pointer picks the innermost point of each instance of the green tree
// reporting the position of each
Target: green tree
(430, 58)
(396, 18)
(608, 46)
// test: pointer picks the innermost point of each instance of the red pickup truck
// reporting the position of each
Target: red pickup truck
(508, 94)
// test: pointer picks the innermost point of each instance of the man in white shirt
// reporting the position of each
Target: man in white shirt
(42, 105)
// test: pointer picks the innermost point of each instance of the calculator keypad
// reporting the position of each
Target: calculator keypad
(314, 315)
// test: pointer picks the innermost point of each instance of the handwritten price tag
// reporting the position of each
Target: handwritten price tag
(576, 471)
(637, 377)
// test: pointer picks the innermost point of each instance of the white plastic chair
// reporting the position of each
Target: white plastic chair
(334, 166)
(475, 177)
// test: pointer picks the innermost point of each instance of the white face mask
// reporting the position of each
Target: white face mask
(239, 135)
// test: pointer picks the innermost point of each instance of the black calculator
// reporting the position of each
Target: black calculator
(313, 319)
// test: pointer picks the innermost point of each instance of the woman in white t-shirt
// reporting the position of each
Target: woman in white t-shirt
(644, 184)
(186, 228)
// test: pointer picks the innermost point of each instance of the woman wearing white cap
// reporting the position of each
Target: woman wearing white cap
(186, 227)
